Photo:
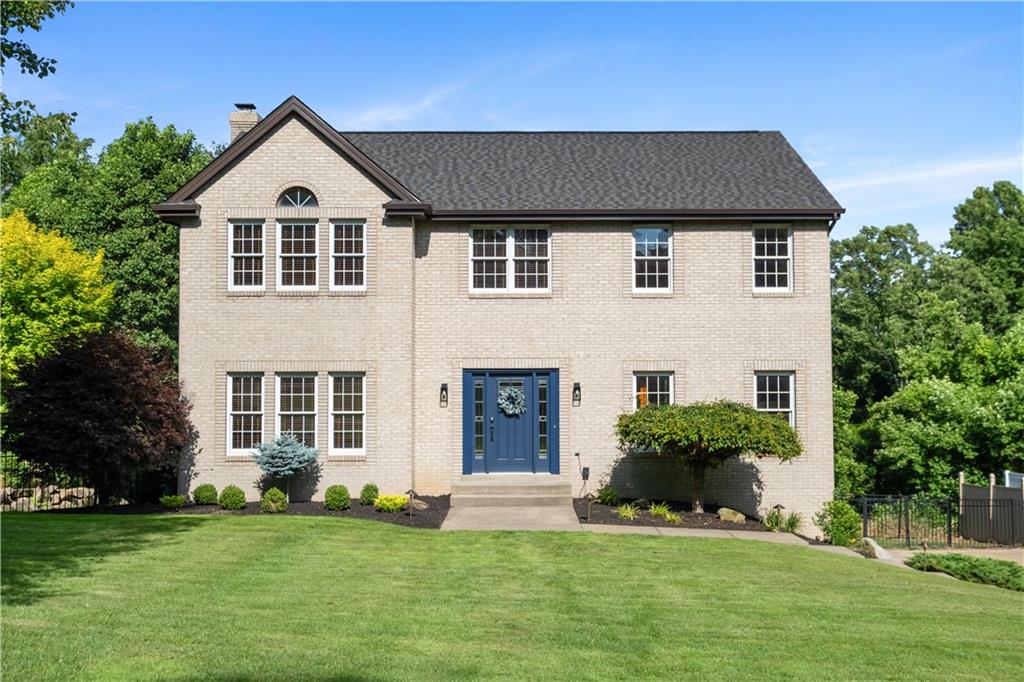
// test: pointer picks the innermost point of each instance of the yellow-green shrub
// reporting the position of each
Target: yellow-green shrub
(390, 503)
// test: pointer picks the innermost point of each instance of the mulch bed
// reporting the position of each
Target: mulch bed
(603, 514)
(432, 517)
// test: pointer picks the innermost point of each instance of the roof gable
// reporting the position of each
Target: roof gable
(181, 203)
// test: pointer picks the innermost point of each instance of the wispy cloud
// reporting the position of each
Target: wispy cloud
(941, 172)
(401, 113)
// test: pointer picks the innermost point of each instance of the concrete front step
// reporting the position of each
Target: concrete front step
(511, 491)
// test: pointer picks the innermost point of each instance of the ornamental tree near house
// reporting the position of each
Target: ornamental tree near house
(701, 436)
(284, 457)
(101, 408)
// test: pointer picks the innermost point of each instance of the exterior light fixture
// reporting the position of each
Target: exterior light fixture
(444, 395)
(577, 394)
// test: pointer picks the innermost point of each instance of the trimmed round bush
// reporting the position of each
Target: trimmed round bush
(172, 502)
(232, 497)
(205, 494)
(840, 522)
(273, 501)
(368, 494)
(336, 498)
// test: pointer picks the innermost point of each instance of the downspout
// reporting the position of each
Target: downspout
(412, 363)
(832, 223)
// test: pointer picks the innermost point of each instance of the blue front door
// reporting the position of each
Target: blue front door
(517, 434)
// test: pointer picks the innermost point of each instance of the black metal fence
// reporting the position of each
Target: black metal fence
(910, 521)
(27, 488)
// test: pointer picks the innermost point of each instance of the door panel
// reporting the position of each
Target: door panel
(494, 442)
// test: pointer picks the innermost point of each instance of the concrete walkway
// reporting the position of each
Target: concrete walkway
(511, 518)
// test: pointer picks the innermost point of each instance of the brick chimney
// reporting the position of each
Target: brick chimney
(243, 119)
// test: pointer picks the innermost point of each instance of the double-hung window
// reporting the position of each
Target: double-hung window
(348, 255)
(297, 255)
(652, 388)
(773, 258)
(348, 414)
(774, 393)
(296, 407)
(652, 259)
(245, 413)
(507, 259)
(246, 256)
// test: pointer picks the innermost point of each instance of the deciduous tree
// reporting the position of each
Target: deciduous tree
(103, 409)
(703, 435)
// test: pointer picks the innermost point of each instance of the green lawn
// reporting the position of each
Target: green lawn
(232, 598)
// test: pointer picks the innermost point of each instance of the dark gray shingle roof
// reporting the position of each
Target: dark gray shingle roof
(597, 170)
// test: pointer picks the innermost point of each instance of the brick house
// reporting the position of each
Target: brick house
(376, 294)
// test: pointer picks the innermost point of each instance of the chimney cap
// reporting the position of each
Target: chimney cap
(245, 106)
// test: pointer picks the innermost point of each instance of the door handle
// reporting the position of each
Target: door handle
(492, 429)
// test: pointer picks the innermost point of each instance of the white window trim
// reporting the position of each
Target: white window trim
(231, 255)
(792, 392)
(754, 257)
(671, 260)
(243, 452)
(671, 385)
(316, 255)
(510, 260)
(344, 452)
(334, 254)
(316, 403)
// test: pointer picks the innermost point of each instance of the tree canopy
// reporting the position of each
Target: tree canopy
(105, 204)
(927, 348)
(49, 292)
(703, 435)
(103, 409)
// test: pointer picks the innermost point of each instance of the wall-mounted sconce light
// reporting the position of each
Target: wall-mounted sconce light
(444, 395)
(577, 394)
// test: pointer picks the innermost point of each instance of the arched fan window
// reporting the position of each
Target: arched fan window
(297, 197)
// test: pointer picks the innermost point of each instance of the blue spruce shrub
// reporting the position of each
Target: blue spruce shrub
(284, 457)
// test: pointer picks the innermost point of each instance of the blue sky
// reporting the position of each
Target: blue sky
(902, 109)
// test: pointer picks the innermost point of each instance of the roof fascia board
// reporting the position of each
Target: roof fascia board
(291, 106)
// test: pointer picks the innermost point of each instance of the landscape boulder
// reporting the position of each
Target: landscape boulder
(731, 515)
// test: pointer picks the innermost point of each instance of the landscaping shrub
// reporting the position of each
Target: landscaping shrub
(368, 494)
(284, 457)
(172, 502)
(659, 509)
(626, 511)
(390, 503)
(336, 498)
(205, 494)
(1005, 574)
(672, 517)
(840, 522)
(273, 501)
(777, 522)
(608, 496)
(232, 497)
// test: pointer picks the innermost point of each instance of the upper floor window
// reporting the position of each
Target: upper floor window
(246, 256)
(245, 413)
(506, 259)
(652, 388)
(348, 256)
(297, 256)
(773, 393)
(773, 258)
(297, 197)
(652, 259)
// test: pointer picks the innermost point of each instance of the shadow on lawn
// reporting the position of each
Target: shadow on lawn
(38, 549)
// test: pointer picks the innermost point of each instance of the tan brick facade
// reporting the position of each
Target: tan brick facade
(417, 326)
